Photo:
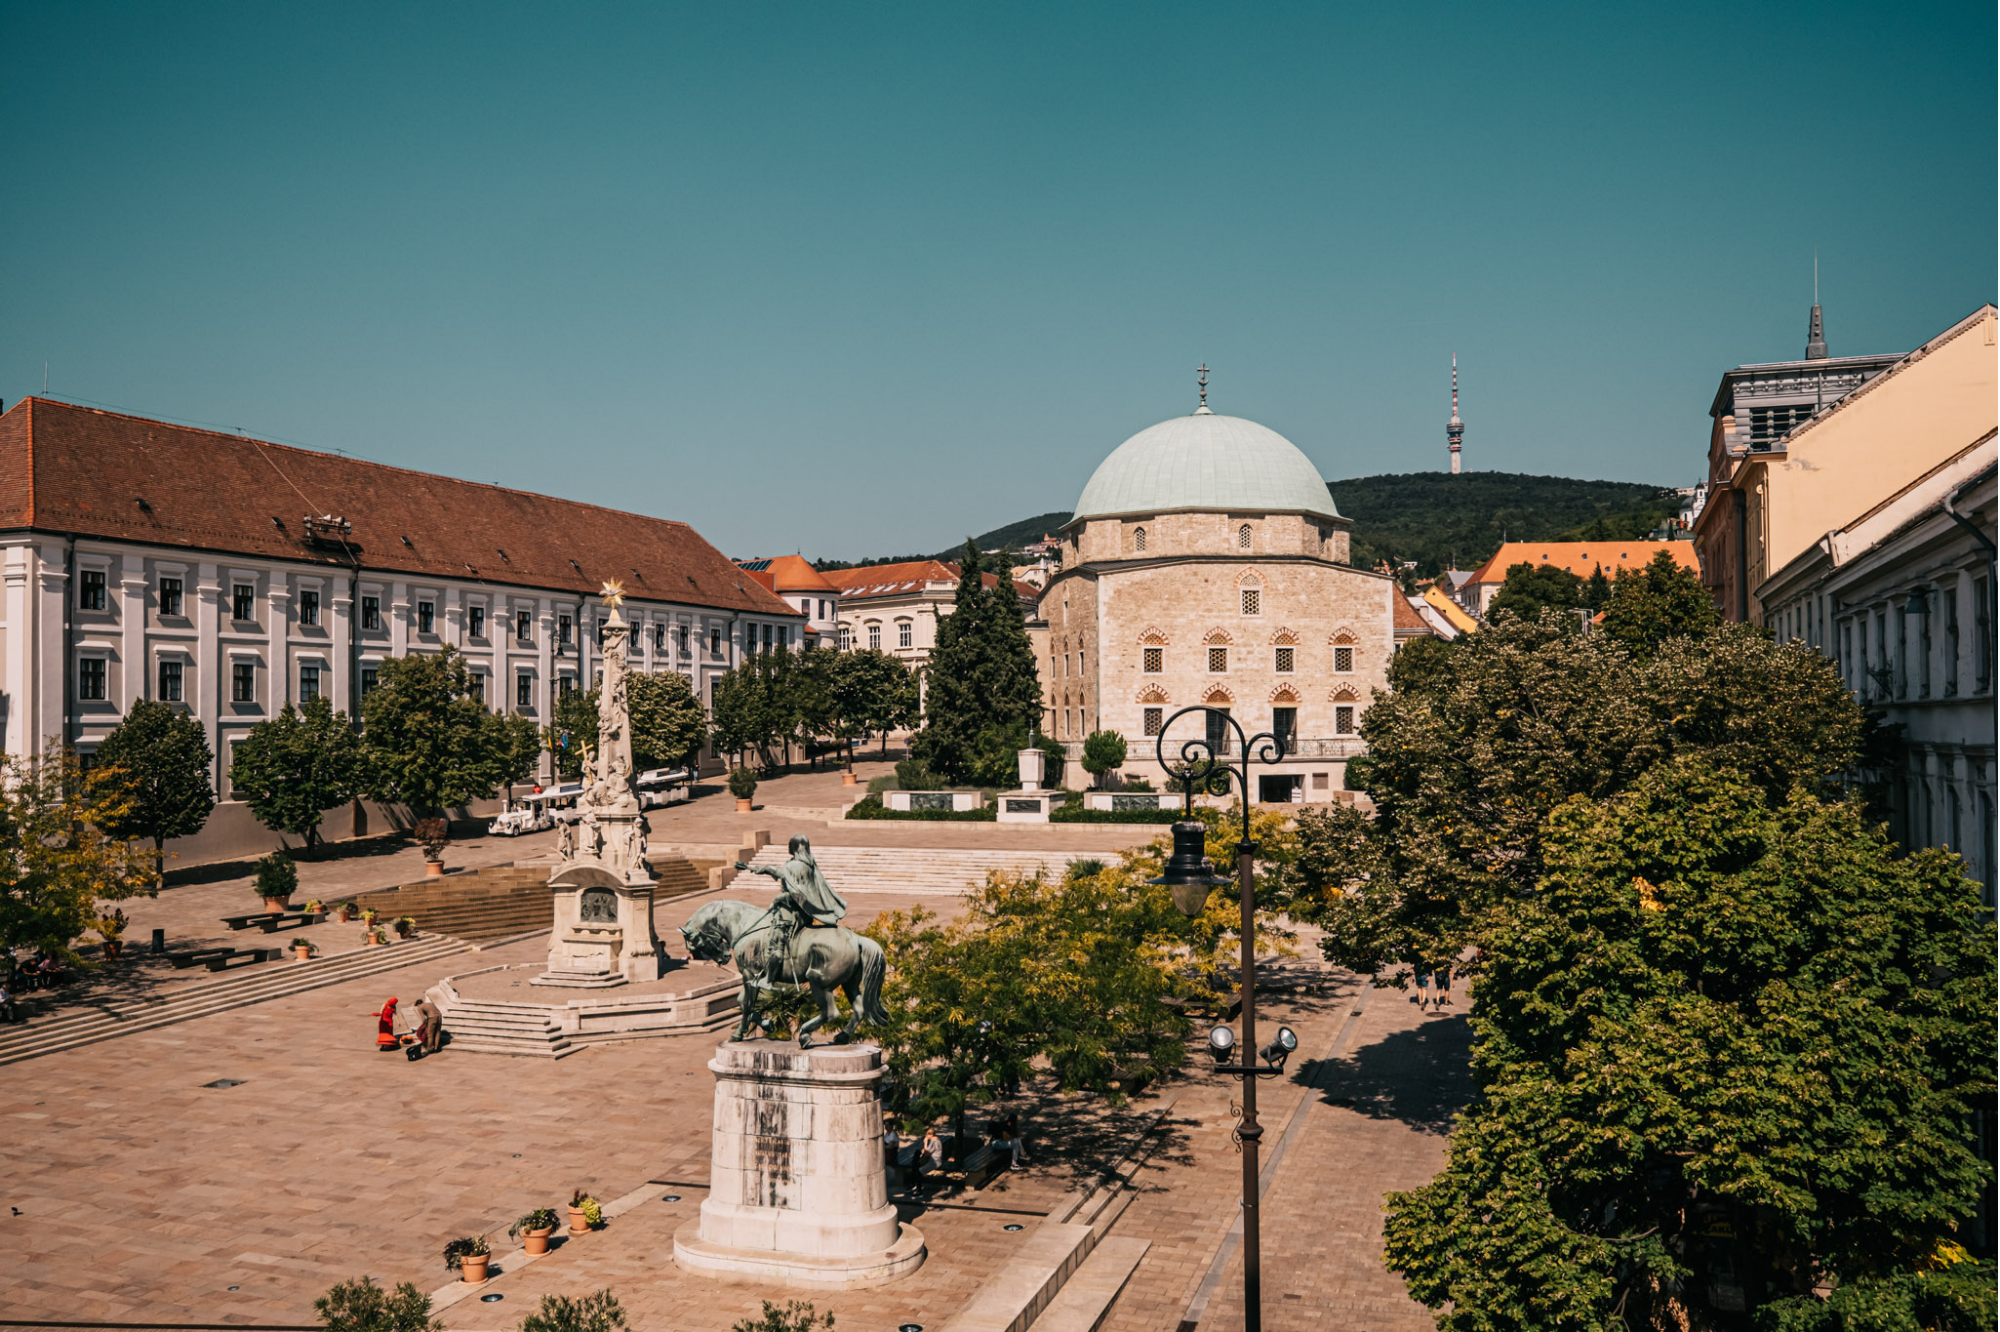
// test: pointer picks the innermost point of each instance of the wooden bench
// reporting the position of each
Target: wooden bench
(276, 923)
(983, 1165)
(196, 957)
(244, 922)
(218, 959)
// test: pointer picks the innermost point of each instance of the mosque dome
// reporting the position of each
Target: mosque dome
(1205, 462)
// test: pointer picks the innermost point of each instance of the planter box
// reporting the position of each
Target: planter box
(954, 800)
(1122, 800)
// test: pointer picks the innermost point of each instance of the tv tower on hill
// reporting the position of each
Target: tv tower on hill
(1454, 429)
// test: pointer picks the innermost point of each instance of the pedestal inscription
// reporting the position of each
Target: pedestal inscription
(797, 1189)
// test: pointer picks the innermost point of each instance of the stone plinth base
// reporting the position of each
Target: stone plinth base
(797, 1186)
(580, 980)
(796, 1269)
(1026, 806)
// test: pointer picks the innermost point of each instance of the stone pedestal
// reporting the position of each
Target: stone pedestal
(1025, 806)
(797, 1189)
(603, 931)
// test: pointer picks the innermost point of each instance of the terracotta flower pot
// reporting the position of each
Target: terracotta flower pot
(434, 868)
(536, 1241)
(302, 954)
(847, 779)
(472, 1268)
(577, 1223)
(370, 941)
(742, 806)
(403, 931)
(274, 904)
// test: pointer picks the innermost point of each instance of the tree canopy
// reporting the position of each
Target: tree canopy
(163, 755)
(668, 724)
(428, 740)
(293, 767)
(984, 698)
(870, 691)
(61, 861)
(1726, 1052)
(1660, 601)
(1531, 587)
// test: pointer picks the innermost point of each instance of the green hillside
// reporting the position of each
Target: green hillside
(1434, 518)
(1440, 520)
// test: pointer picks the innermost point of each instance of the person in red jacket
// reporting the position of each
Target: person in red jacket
(385, 1031)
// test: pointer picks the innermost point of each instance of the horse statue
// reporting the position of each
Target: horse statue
(768, 957)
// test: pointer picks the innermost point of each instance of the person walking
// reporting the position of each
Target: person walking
(1442, 979)
(1423, 999)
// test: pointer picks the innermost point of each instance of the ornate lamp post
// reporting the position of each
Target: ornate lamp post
(1190, 877)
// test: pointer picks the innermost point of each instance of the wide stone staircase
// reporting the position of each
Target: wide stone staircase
(506, 900)
(180, 1001)
(917, 870)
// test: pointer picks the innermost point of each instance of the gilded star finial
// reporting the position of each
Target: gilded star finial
(613, 593)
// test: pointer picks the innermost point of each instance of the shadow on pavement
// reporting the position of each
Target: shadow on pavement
(1421, 1077)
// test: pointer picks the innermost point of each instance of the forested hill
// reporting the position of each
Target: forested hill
(1437, 519)
(1440, 520)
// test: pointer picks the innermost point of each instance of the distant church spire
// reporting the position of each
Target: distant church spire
(1201, 382)
(1815, 331)
(1454, 429)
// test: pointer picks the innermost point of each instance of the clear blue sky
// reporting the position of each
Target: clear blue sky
(862, 279)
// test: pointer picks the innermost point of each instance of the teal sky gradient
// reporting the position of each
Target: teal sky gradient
(862, 279)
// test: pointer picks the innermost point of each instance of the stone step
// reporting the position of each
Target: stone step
(108, 1023)
(1086, 1297)
(1019, 1289)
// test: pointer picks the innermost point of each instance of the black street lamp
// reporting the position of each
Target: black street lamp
(1190, 877)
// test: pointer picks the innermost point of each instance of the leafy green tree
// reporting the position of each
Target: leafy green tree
(1470, 754)
(1072, 975)
(599, 1312)
(300, 763)
(517, 749)
(1531, 588)
(793, 1316)
(752, 707)
(984, 696)
(1103, 752)
(60, 862)
(668, 724)
(1660, 601)
(363, 1306)
(164, 755)
(1734, 1036)
(427, 741)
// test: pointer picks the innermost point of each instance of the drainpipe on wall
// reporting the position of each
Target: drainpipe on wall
(69, 643)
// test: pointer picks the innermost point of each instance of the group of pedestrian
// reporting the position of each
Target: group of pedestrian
(1433, 986)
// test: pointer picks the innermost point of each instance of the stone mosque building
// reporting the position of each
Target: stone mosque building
(1207, 564)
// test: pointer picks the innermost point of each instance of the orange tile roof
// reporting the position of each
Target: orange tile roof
(879, 579)
(65, 468)
(1582, 558)
(1405, 618)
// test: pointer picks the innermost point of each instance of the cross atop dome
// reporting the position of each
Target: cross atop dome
(1201, 382)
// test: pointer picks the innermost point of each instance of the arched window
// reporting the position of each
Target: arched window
(1243, 537)
(1139, 538)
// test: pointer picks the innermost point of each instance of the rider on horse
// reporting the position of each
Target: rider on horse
(806, 902)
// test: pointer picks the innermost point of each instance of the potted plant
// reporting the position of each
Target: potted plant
(742, 785)
(468, 1257)
(348, 911)
(375, 937)
(369, 915)
(110, 928)
(534, 1229)
(302, 949)
(585, 1213)
(431, 835)
(277, 878)
(405, 926)
(315, 907)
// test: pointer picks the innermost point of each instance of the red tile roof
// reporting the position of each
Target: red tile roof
(1406, 620)
(880, 580)
(788, 573)
(67, 469)
(1583, 557)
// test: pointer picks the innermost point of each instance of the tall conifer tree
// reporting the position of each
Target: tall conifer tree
(983, 696)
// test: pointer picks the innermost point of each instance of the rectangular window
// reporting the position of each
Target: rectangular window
(767, 638)
(1343, 660)
(476, 683)
(243, 682)
(682, 634)
(1153, 718)
(659, 638)
(371, 613)
(1343, 720)
(90, 679)
(475, 621)
(524, 691)
(170, 596)
(875, 637)
(562, 630)
(565, 685)
(1951, 640)
(308, 608)
(1154, 660)
(308, 683)
(524, 626)
(715, 642)
(170, 682)
(1285, 729)
(1251, 598)
(90, 592)
(1924, 652)
(1982, 633)
(370, 677)
(426, 617)
(1284, 660)
(1218, 730)
(1218, 659)
(846, 638)
(240, 597)
(903, 634)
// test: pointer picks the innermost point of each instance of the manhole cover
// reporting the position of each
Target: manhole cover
(224, 1082)
(670, 1197)
(236, 1287)
(493, 1298)
(1011, 1225)
(911, 1327)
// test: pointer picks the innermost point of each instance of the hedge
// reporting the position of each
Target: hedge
(1078, 814)
(872, 807)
